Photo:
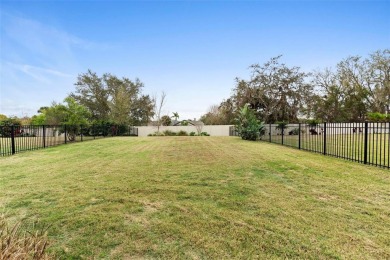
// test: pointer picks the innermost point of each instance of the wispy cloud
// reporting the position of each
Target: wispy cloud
(38, 73)
(38, 62)
(43, 38)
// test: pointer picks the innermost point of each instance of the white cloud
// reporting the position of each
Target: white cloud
(38, 73)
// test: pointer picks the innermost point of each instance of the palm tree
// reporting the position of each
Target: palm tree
(175, 115)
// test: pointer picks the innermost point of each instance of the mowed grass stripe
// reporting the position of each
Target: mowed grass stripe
(198, 197)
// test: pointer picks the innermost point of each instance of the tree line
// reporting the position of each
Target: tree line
(358, 89)
(105, 99)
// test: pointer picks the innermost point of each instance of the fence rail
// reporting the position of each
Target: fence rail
(15, 138)
(367, 143)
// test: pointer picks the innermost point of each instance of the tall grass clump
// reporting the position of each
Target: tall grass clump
(16, 242)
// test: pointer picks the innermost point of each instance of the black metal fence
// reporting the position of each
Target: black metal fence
(15, 138)
(367, 143)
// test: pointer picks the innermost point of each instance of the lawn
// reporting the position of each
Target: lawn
(198, 197)
(350, 146)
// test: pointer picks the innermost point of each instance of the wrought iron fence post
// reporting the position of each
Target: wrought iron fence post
(65, 133)
(365, 141)
(81, 133)
(270, 132)
(93, 131)
(44, 136)
(299, 136)
(13, 139)
(324, 138)
(282, 134)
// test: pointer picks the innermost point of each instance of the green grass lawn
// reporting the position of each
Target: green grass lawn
(198, 197)
(349, 146)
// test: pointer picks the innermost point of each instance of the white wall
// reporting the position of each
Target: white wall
(213, 130)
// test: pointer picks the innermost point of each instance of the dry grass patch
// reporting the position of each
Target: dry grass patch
(16, 242)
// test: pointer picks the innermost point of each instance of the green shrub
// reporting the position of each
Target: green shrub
(182, 133)
(156, 134)
(204, 134)
(248, 127)
(378, 117)
(192, 134)
(169, 133)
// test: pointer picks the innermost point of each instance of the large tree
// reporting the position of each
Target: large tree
(114, 99)
(357, 87)
(222, 114)
(379, 69)
(275, 91)
(69, 113)
(92, 92)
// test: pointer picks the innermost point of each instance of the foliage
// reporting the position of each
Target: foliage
(378, 117)
(157, 133)
(184, 123)
(175, 116)
(248, 127)
(219, 114)
(182, 133)
(8, 121)
(75, 114)
(275, 91)
(169, 133)
(69, 116)
(312, 123)
(6, 126)
(111, 98)
(358, 87)
(39, 119)
(166, 120)
(3, 117)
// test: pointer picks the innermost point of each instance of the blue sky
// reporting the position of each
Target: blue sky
(192, 50)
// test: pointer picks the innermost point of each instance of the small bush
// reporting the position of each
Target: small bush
(192, 134)
(169, 133)
(247, 125)
(378, 117)
(204, 134)
(182, 133)
(156, 134)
